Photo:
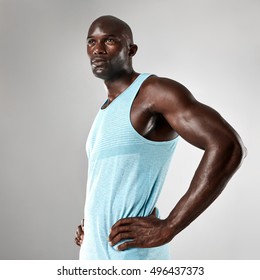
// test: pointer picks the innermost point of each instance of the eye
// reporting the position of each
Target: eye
(90, 42)
(110, 41)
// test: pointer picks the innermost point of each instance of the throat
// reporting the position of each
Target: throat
(116, 86)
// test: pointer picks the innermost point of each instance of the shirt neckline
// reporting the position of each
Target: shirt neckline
(121, 94)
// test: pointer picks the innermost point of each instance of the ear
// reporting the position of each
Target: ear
(132, 50)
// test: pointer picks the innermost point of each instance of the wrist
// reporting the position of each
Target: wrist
(171, 227)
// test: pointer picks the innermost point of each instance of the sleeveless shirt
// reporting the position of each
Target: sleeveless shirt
(125, 175)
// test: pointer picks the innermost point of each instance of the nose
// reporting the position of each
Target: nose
(99, 49)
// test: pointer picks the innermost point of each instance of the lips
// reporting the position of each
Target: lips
(98, 61)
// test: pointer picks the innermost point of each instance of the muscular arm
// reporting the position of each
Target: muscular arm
(204, 128)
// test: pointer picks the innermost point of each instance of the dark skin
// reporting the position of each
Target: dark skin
(162, 110)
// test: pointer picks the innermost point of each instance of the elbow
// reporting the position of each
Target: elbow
(230, 152)
(237, 152)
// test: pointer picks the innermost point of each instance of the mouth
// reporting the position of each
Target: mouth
(98, 62)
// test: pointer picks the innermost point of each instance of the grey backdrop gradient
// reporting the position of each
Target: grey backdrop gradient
(49, 99)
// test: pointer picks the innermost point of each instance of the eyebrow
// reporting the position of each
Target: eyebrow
(106, 35)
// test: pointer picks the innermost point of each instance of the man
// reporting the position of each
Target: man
(130, 147)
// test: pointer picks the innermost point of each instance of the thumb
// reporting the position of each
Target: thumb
(82, 224)
(154, 212)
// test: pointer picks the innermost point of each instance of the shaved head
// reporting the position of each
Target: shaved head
(110, 47)
(115, 24)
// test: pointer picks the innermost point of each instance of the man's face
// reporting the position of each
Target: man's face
(108, 50)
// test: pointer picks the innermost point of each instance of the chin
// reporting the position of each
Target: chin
(100, 75)
(104, 75)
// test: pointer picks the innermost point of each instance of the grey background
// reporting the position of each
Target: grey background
(49, 99)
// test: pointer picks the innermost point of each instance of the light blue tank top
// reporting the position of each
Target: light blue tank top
(125, 175)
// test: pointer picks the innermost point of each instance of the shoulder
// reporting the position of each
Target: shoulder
(163, 92)
(156, 81)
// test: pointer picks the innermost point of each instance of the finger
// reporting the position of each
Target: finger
(80, 230)
(124, 221)
(77, 241)
(79, 235)
(117, 230)
(122, 236)
(127, 245)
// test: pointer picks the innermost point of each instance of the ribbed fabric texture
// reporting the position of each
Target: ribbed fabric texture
(125, 176)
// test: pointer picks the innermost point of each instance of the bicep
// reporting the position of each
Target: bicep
(197, 123)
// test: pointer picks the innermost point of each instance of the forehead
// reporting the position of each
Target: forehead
(106, 28)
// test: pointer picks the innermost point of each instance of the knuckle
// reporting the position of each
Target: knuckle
(123, 246)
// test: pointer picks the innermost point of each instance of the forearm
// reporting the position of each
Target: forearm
(217, 166)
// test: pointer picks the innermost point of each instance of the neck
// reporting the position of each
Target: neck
(118, 84)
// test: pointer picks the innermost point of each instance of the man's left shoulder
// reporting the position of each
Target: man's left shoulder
(155, 85)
